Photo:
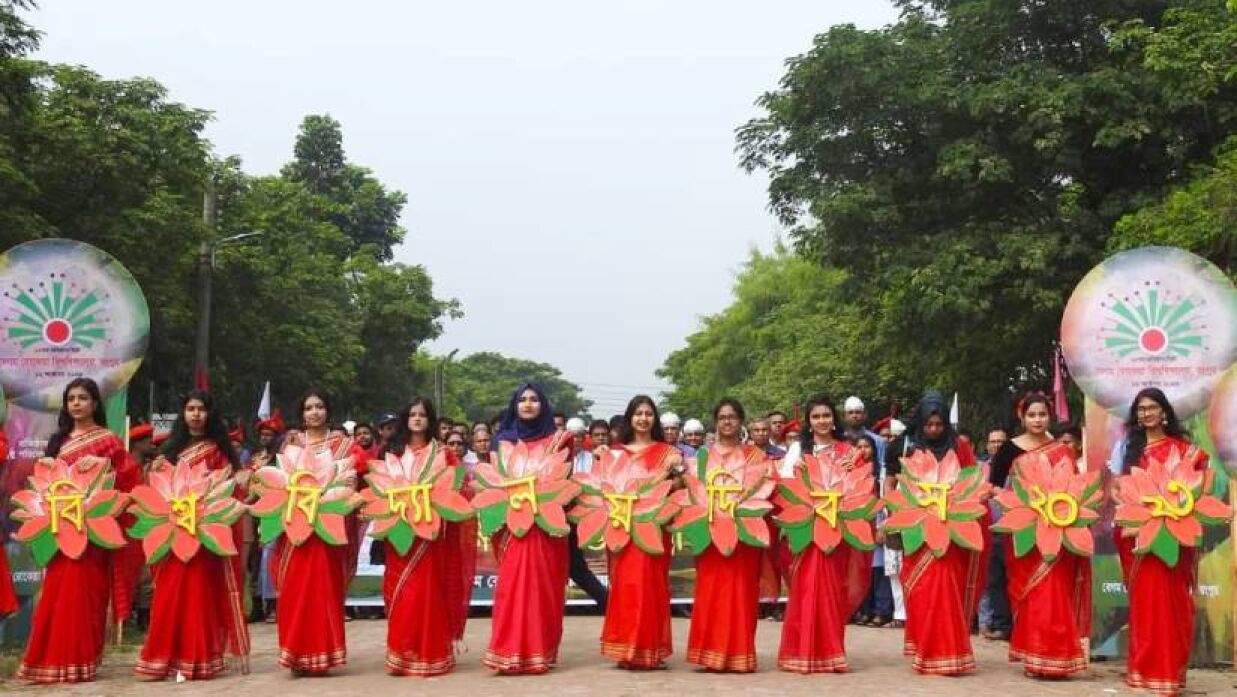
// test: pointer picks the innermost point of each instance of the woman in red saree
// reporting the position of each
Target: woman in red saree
(197, 611)
(69, 626)
(727, 595)
(1161, 596)
(527, 622)
(942, 593)
(1051, 600)
(825, 588)
(426, 590)
(309, 577)
(636, 632)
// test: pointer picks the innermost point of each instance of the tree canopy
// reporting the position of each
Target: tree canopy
(478, 387)
(960, 170)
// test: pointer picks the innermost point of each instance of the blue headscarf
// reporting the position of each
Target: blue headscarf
(514, 428)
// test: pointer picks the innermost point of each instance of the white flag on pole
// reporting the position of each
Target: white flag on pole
(953, 412)
(264, 406)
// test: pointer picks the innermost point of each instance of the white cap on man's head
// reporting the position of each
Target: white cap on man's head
(853, 403)
(670, 420)
(896, 428)
(693, 426)
(576, 425)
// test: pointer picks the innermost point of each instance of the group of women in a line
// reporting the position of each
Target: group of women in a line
(196, 616)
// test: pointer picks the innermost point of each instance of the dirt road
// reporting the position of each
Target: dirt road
(876, 661)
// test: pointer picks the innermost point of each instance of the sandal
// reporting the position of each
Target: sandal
(897, 624)
(879, 621)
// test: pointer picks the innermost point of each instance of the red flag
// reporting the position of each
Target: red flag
(1058, 389)
(199, 378)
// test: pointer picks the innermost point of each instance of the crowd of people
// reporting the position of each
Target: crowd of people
(194, 617)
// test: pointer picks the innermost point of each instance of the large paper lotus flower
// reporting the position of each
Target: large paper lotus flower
(409, 497)
(937, 503)
(304, 493)
(183, 508)
(1166, 505)
(620, 502)
(67, 507)
(1049, 504)
(725, 508)
(522, 488)
(825, 504)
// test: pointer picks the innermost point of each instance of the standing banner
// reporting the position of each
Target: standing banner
(1157, 317)
(67, 310)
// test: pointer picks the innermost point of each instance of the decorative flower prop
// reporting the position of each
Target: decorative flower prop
(620, 502)
(1166, 505)
(825, 504)
(937, 502)
(67, 506)
(183, 508)
(1049, 504)
(409, 497)
(523, 488)
(726, 507)
(304, 494)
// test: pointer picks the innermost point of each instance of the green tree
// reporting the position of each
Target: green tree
(966, 165)
(479, 386)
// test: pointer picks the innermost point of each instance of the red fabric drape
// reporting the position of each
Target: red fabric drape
(825, 590)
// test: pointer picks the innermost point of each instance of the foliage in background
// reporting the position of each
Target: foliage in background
(478, 387)
(967, 165)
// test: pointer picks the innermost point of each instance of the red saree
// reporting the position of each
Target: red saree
(942, 595)
(8, 597)
(1161, 604)
(636, 632)
(825, 590)
(530, 596)
(1051, 602)
(310, 581)
(69, 626)
(197, 612)
(727, 600)
(425, 604)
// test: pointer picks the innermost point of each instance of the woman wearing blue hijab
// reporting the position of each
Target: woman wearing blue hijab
(532, 570)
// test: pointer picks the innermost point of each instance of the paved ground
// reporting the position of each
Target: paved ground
(879, 669)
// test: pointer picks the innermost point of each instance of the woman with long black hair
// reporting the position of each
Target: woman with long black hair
(69, 626)
(1161, 600)
(426, 589)
(197, 612)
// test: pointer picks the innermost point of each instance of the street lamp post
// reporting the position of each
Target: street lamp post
(206, 263)
(440, 381)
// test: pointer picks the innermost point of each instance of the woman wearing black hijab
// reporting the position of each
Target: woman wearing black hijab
(532, 570)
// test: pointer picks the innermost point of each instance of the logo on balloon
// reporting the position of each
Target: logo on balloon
(1151, 317)
(54, 316)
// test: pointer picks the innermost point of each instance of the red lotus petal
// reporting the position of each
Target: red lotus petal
(1187, 530)
(156, 538)
(934, 533)
(1146, 534)
(1081, 540)
(724, 533)
(427, 529)
(489, 497)
(755, 505)
(825, 535)
(1048, 538)
(970, 531)
(861, 530)
(616, 538)
(333, 524)
(298, 529)
(757, 528)
(184, 545)
(792, 514)
(590, 524)
(555, 516)
(71, 542)
(221, 535)
(1018, 518)
(150, 500)
(689, 514)
(648, 535)
(519, 520)
(382, 526)
(32, 527)
(1212, 507)
(907, 518)
(271, 502)
(1136, 513)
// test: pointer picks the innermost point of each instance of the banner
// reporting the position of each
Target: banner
(1158, 317)
(366, 588)
(67, 310)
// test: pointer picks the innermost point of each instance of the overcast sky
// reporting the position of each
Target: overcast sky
(569, 165)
